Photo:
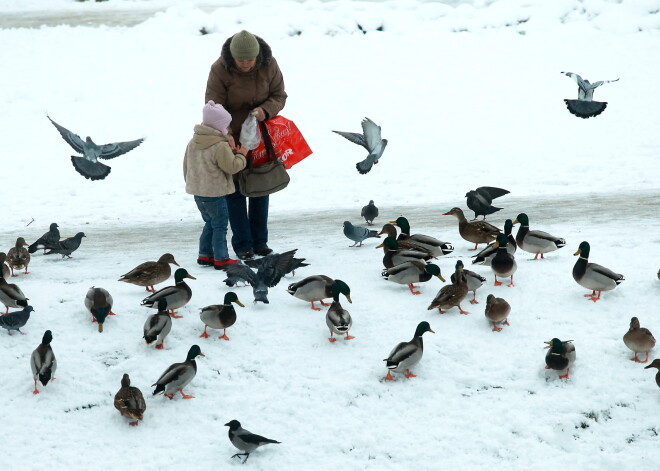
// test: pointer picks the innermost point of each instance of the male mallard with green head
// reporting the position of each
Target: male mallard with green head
(338, 319)
(409, 273)
(477, 232)
(561, 356)
(434, 246)
(639, 340)
(407, 354)
(158, 326)
(176, 296)
(593, 276)
(503, 263)
(98, 302)
(452, 295)
(129, 401)
(43, 362)
(317, 288)
(178, 375)
(486, 255)
(536, 242)
(11, 295)
(395, 256)
(220, 316)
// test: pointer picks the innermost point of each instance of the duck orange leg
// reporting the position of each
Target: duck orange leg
(185, 396)
(161, 345)
(133, 424)
(36, 391)
(475, 248)
(640, 361)
(461, 310)
(324, 304)
(389, 376)
(173, 315)
(412, 287)
(350, 337)
(409, 374)
(332, 339)
(511, 284)
(568, 370)
(316, 308)
(204, 334)
(497, 329)
(474, 299)
(224, 335)
(497, 283)
(595, 298)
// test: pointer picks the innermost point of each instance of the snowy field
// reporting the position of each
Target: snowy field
(468, 94)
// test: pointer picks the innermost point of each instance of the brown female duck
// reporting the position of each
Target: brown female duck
(477, 232)
(148, 274)
(452, 295)
(639, 340)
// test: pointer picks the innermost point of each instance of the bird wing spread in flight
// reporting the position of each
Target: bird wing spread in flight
(72, 139)
(115, 149)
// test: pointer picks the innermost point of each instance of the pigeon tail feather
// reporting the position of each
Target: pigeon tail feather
(90, 170)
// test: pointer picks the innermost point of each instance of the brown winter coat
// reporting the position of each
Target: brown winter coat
(239, 92)
(209, 163)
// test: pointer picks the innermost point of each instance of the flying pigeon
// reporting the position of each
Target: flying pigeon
(47, 241)
(370, 140)
(293, 265)
(15, 320)
(244, 440)
(88, 166)
(269, 274)
(480, 200)
(369, 212)
(584, 107)
(67, 246)
(358, 233)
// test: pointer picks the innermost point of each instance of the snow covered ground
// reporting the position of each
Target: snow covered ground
(468, 94)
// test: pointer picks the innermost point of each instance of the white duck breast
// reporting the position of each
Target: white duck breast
(338, 319)
(177, 376)
(404, 356)
(43, 364)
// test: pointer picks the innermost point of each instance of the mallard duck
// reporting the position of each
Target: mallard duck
(176, 296)
(369, 212)
(593, 276)
(655, 364)
(390, 231)
(395, 256)
(409, 273)
(43, 362)
(486, 255)
(245, 440)
(158, 326)
(477, 232)
(220, 316)
(407, 354)
(451, 295)
(338, 319)
(536, 242)
(148, 274)
(5, 268)
(474, 282)
(639, 340)
(317, 288)
(11, 295)
(129, 401)
(47, 241)
(561, 356)
(178, 375)
(18, 256)
(503, 263)
(99, 304)
(497, 311)
(434, 246)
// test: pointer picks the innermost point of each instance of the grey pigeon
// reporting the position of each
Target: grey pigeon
(245, 440)
(358, 233)
(369, 212)
(269, 274)
(15, 320)
(480, 200)
(584, 107)
(67, 246)
(47, 241)
(294, 264)
(88, 166)
(369, 139)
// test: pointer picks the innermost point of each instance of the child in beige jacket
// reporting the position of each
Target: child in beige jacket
(208, 166)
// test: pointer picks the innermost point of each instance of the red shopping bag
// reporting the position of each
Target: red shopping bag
(289, 144)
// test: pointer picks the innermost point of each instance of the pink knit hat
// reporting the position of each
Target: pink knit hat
(216, 116)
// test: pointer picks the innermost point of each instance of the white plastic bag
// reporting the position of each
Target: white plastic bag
(250, 135)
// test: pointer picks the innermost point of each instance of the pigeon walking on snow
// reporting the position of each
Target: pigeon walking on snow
(15, 320)
(369, 139)
(67, 246)
(584, 107)
(358, 233)
(47, 241)
(245, 440)
(88, 165)
(370, 212)
(480, 200)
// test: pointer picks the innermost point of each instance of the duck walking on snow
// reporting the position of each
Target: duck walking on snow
(176, 296)
(158, 326)
(11, 295)
(148, 274)
(407, 354)
(497, 311)
(338, 319)
(536, 242)
(561, 356)
(88, 165)
(584, 107)
(220, 316)
(452, 295)
(245, 440)
(503, 263)
(486, 255)
(369, 139)
(393, 256)
(434, 246)
(178, 375)
(317, 288)
(409, 273)
(43, 362)
(639, 340)
(129, 401)
(98, 302)
(593, 276)
(477, 232)
(18, 256)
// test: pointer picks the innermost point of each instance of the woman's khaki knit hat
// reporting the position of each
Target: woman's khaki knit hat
(244, 46)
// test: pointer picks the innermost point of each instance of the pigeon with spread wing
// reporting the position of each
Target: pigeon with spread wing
(584, 107)
(369, 139)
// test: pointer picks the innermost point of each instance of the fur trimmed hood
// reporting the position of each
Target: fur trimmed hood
(263, 59)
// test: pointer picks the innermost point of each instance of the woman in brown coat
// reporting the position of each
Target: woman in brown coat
(246, 79)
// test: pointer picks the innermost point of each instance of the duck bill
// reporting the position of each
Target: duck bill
(548, 343)
(201, 354)
(446, 214)
(432, 331)
(176, 264)
(348, 296)
(441, 278)
(191, 277)
(239, 303)
(496, 244)
(579, 251)
(515, 221)
(381, 245)
(647, 367)
(100, 327)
